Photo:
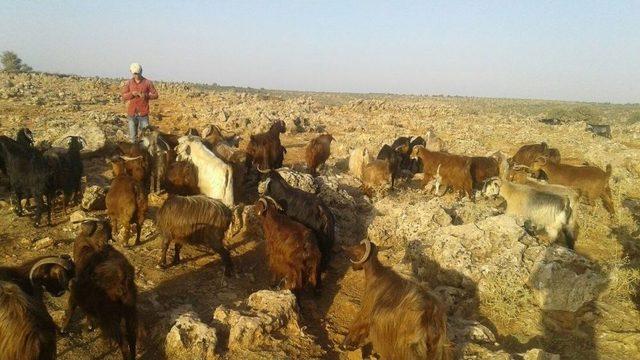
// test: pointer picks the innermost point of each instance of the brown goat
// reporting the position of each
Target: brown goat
(527, 154)
(455, 170)
(589, 181)
(401, 319)
(138, 162)
(197, 219)
(482, 169)
(126, 201)
(265, 149)
(182, 179)
(212, 135)
(104, 287)
(375, 174)
(318, 151)
(27, 331)
(292, 248)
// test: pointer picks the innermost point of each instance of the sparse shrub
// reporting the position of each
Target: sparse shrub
(624, 282)
(504, 299)
(634, 118)
(558, 113)
(12, 63)
(586, 114)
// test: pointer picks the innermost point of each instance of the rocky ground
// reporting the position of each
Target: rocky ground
(509, 295)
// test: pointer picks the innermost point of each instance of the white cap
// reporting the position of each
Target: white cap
(135, 68)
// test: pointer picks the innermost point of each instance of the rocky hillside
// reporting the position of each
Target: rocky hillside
(510, 295)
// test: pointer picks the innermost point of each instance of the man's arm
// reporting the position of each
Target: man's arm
(126, 92)
(153, 94)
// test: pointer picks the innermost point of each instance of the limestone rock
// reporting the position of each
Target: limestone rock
(189, 338)
(94, 198)
(563, 280)
(264, 314)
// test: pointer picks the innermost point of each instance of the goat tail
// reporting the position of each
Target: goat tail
(228, 189)
(127, 296)
(608, 170)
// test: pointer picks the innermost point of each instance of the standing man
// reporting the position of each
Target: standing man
(137, 92)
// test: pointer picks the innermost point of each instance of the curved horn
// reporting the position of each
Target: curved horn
(263, 201)
(521, 167)
(263, 171)
(207, 130)
(127, 158)
(367, 252)
(29, 134)
(165, 143)
(275, 203)
(85, 220)
(65, 263)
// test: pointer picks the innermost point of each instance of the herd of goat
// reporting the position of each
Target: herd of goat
(208, 178)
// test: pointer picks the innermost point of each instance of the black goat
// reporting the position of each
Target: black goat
(104, 287)
(67, 168)
(27, 331)
(600, 130)
(29, 175)
(395, 157)
(551, 121)
(306, 208)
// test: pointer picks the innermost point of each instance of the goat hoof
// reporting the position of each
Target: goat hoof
(162, 266)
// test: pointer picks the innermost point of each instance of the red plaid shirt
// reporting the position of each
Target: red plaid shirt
(136, 104)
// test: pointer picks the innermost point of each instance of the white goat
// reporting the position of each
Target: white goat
(215, 177)
(545, 209)
(358, 159)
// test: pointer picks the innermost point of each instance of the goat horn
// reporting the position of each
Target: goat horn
(263, 201)
(165, 143)
(127, 158)
(265, 187)
(275, 203)
(521, 167)
(28, 133)
(367, 252)
(85, 220)
(65, 263)
(263, 171)
(207, 130)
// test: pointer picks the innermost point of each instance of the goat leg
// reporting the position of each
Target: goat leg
(138, 232)
(165, 246)
(176, 253)
(127, 234)
(71, 307)
(18, 208)
(128, 340)
(39, 208)
(358, 332)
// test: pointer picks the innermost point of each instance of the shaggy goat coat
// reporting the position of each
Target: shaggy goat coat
(401, 319)
(105, 287)
(193, 220)
(306, 208)
(292, 248)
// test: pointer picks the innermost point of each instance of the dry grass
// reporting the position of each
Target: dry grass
(624, 281)
(507, 302)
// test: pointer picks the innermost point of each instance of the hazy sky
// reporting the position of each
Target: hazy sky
(568, 50)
